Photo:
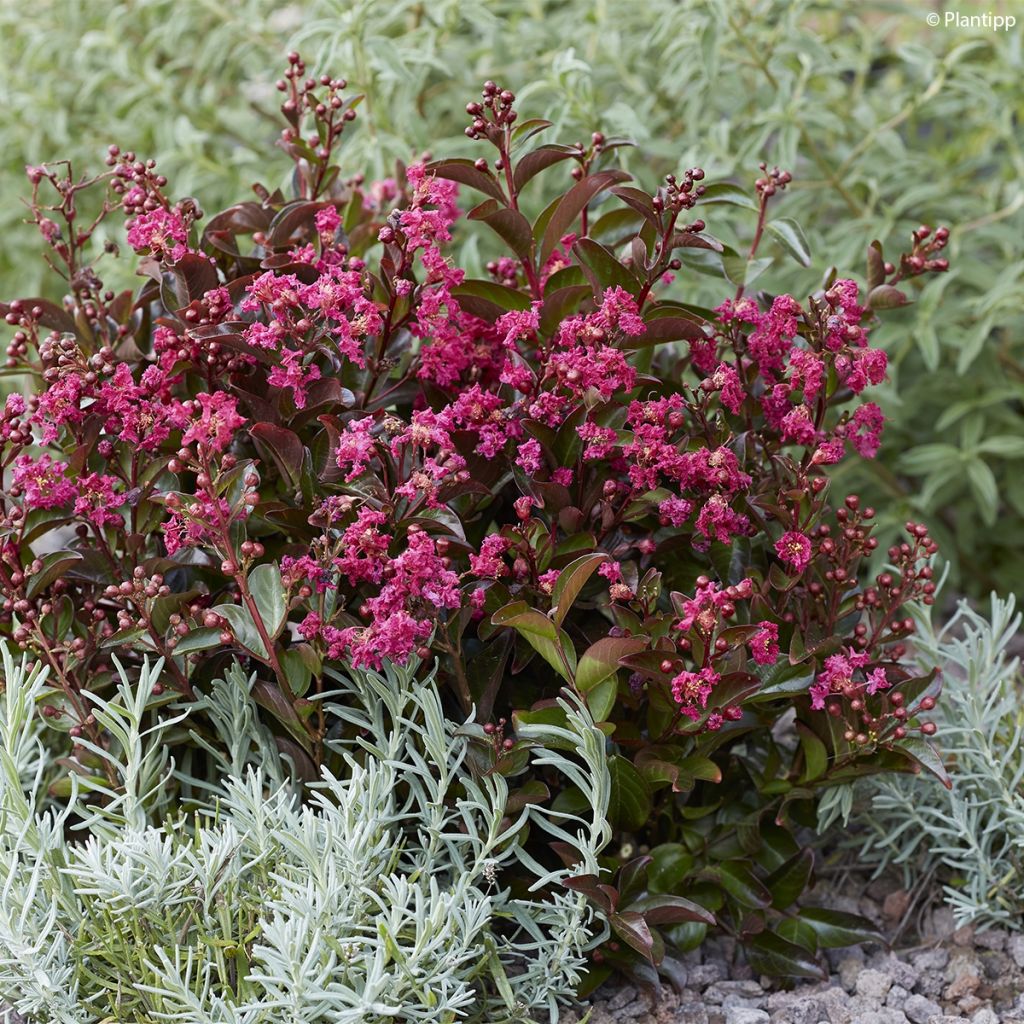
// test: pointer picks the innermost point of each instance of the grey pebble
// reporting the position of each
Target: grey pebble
(873, 984)
(623, 996)
(883, 1016)
(745, 1015)
(921, 1010)
(897, 997)
(1015, 947)
(986, 1015)
(930, 959)
(691, 1013)
(849, 970)
(707, 973)
(992, 938)
(800, 1011)
(635, 1009)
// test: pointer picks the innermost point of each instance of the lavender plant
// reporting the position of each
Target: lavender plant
(382, 899)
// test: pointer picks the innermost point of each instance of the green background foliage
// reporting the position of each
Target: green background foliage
(885, 123)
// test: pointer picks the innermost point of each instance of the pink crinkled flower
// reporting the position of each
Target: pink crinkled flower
(282, 291)
(421, 226)
(218, 420)
(741, 310)
(702, 610)
(601, 441)
(309, 628)
(764, 644)
(61, 405)
(718, 521)
(547, 580)
(829, 452)
(356, 448)
(43, 482)
(458, 344)
(364, 545)
(563, 476)
(530, 457)
(806, 372)
(708, 469)
(327, 220)
(293, 375)
(489, 564)
(419, 575)
(864, 431)
(690, 690)
(601, 367)
(388, 638)
(305, 568)
(162, 232)
(403, 615)
(485, 413)
(619, 312)
(866, 366)
(269, 337)
(675, 511)
(518, 325)
(794, 548)
(98, 499)
(197, 522)
(877, 680)
(798, 426)
(836, 675)
(727, 382)
(772, 337)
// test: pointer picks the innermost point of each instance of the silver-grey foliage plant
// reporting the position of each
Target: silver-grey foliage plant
(381, 898)
(971, 836)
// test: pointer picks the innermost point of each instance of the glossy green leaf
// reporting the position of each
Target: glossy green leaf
(55, 565)
(202, 639)
(629, 805)
(268, 592)
(788, 882)
(243, 627)
(671, 864)
(835, 928)
(740, 883)
(770, 954)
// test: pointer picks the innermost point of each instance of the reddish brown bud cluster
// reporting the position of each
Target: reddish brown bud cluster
(493, 116)
(681, 194)
(922, 258)
(773, 181)
(319, 99)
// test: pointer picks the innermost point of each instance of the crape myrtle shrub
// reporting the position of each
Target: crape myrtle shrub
(310, 439)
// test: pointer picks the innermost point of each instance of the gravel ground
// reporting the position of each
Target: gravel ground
(951, 976)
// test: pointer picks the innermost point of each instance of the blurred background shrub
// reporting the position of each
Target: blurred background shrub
(884, 121)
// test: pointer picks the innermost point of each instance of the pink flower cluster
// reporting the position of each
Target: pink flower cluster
(412, 588)
(837, 677)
